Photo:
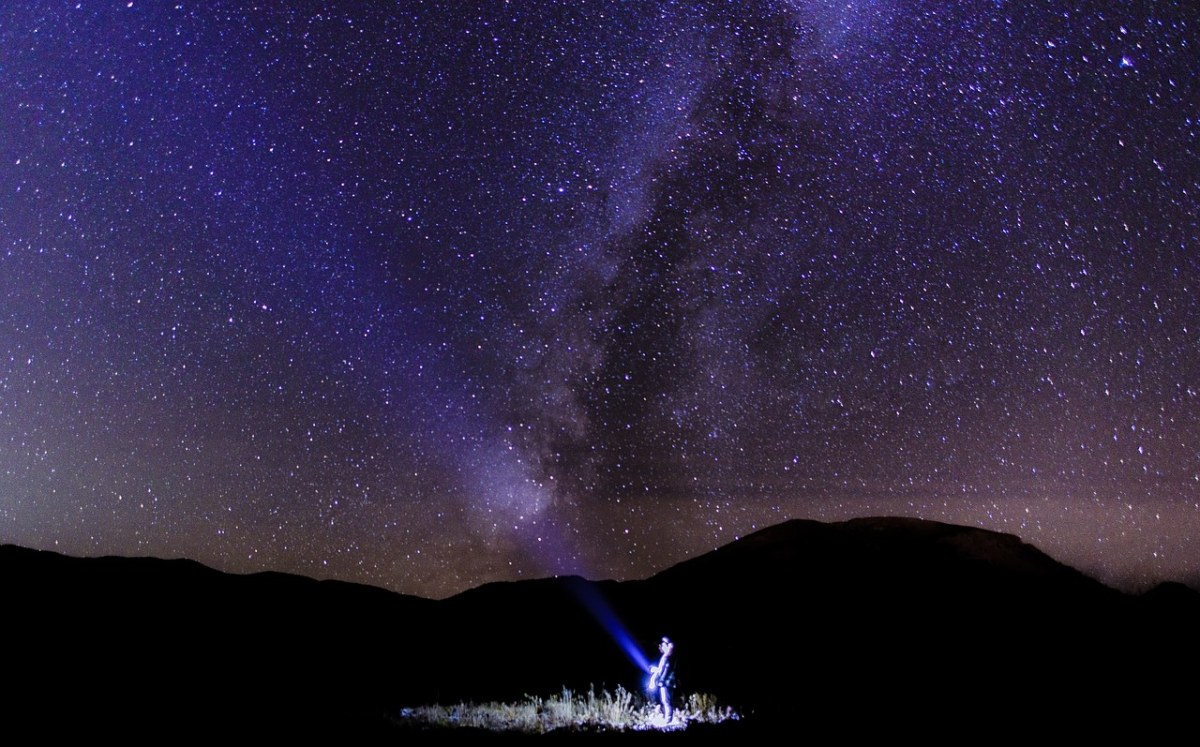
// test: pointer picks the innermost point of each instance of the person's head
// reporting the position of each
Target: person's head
(667, 646)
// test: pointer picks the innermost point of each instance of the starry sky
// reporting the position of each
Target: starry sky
(426, 294)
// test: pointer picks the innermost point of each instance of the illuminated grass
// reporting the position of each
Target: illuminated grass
(618, 711)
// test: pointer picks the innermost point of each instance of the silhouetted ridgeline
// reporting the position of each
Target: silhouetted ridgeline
(862, 625)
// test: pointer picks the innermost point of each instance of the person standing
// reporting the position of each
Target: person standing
(662, 676)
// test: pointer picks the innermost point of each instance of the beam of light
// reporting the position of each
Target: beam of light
(510, 490)
(591, 598)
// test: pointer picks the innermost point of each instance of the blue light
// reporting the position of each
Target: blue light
(590, 598)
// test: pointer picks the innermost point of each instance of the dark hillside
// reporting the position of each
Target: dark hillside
(865, 624)
(141, 642)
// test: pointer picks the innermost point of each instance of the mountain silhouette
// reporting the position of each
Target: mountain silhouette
(848, 627)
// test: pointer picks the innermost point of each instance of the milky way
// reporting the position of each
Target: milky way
(435, 294)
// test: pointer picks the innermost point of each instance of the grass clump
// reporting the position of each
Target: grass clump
(604, 711)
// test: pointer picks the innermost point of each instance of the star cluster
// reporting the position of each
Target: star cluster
(427, 294)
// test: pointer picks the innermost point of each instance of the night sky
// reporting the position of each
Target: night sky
(435, 293)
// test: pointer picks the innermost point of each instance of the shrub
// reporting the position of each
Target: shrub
(615, 711)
